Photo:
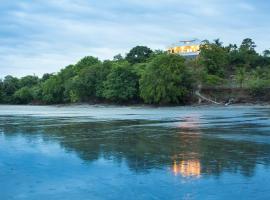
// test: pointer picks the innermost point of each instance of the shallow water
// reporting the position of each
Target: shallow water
(107, 152)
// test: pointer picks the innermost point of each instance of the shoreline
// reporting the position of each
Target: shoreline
(147, 105)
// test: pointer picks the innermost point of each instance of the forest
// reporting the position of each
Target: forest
(146, 76)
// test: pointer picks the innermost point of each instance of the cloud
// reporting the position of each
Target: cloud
(46, 35)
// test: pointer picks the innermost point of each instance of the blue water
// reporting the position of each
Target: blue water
(109, 152)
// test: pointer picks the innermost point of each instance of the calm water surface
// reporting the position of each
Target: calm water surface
(96, 152)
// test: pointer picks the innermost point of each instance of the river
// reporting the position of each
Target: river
(110, 152)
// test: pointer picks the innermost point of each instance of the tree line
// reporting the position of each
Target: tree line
(145, 76)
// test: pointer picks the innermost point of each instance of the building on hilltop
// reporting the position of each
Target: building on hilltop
(186, 48)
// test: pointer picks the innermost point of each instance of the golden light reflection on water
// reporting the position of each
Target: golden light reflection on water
(190, 122)
(190, 137)
(187, 168)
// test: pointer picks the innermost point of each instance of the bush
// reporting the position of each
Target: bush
(213, 80)
(259, 88)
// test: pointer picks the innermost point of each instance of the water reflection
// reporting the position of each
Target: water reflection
(135, 156)
(144, 147)
(190, 137)
(192, 122)
(187, 168)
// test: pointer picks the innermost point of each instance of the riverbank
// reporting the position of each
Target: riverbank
(194, 104)
(236, 95)
(204, 97)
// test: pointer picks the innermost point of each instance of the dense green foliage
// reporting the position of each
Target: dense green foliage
(146, 76)
(166, 80)
(214, 58)
(138, 54)
(121, 84)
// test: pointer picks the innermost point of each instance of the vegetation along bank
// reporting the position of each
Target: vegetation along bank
(221, 73)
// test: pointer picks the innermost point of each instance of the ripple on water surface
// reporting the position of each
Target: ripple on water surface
(110, 152)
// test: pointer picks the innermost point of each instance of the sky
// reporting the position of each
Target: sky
(43, 36)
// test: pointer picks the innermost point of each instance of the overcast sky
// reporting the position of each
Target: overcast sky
(39, 36)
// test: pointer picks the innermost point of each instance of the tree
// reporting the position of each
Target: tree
(85, 84)
(241, 76)
(36, 93)
(29, 81)
(52, 90)
(102, 74)
(214, 57)
(1, 91)
(72, 91)
(247, 54)
(121, 84)
(138, 54)
(66, 76)
(232, 47)
(10, 85)
(86, 62)
(247, 45)
(218, 42)
(23, 95)
(118, 57)
(234, 58)
(166, 80)
(67, 73)
(199, 73)
(88, 84)
(46, 76)
(266, 53)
